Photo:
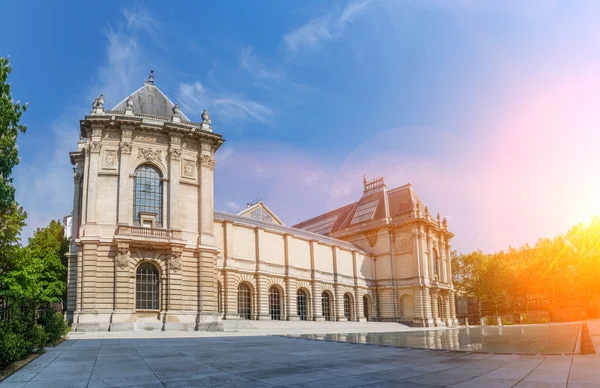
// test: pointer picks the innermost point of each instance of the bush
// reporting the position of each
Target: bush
(35, 339)
(54, 325)
(544, 320)
(12, 347)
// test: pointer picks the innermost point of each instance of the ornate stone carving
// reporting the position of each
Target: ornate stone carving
(175, 153)
(77, 177)
(175, 261)
(147, 139)
(110, 159)
(188, 170)
(150, 154)
(207, 161)
(125, 147)
(122, 258)
(95, 146)
(372, 238)
(402, 244)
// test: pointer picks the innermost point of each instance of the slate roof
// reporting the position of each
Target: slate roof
(377, 204)
(150, 100)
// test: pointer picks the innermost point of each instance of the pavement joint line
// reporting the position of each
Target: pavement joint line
(143, 359)
(570, 366)
(45, 366)
(95, 361)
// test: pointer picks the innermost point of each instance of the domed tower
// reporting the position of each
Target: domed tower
(143, 247)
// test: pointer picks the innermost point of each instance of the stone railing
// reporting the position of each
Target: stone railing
(154, 233)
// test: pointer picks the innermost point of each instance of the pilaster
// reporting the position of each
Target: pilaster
(174, 175)
(125, 189)
(95, 145)
(338, 296)
(206, 168)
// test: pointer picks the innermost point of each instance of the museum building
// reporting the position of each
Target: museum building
(149, 252)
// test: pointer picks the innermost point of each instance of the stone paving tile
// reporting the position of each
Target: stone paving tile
(343, 381)
(480, 382)
(114, 382)
(57, 384)
(585, 369)
(539, 384)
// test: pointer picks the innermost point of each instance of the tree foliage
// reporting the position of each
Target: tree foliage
(552, 267)
(10, 114)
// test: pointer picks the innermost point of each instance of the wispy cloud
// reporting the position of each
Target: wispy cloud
(43, 181)
(328, 27)
(194, 97)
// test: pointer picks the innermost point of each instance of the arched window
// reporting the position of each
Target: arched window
(326, 305)
(347, 307)
(366, 307)
(147, 196)
(244, 305)
(301, 304)
(146, 287)
(219, 298)
(435, 264)
(275, 303)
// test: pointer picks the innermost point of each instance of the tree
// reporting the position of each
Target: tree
(40, 274)
(10, 114)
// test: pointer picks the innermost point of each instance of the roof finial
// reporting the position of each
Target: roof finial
(205, 117)
(176, 109)
(100, 103)
(129, 102)
(365, 179)
(151, 78)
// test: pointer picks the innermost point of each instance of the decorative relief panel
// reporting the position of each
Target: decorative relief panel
(175, 261)
(151, 155)
(207, 161)
(402, 244)
(188, 170)
(122, 258)
(95, 146)
(175, 153)
(146, 139)
(110, 159)
(125, 147)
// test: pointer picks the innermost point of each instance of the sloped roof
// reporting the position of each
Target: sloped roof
(260, 211)
(223, 216)
(376, 204)
(150, 100)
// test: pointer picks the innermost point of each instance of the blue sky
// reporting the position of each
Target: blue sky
(489, 108)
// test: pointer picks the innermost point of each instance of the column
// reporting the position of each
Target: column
(174, 175)
(443, 258)
(291, 312)
(358, 304)
(453, 308)
(229, 296)
(435, 312)
(338, 296)
(95, 145)
(449, 259)
(393, 277)
(125, 189)
(447, 313)
(262, 291)
(205, 196)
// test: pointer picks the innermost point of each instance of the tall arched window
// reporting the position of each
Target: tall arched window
(146, 287)
(147, 196)
(326, 305)
(367, 307)
(244, 305)
(301, 304)
(435, 264)
(348, 307)
(275, 303)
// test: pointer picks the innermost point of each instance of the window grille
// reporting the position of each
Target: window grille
(244, 301)
(147, 193)
(301, 304)
(275, 303)
(347, 311)
(326, 305)
(146, 287)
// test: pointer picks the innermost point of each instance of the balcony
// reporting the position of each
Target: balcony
(139, 233)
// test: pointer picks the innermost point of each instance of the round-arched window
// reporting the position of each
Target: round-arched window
(146, 287)
(147, 194)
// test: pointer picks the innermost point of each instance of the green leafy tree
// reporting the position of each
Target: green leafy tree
(10, 114)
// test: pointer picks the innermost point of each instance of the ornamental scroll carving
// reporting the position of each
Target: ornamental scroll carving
(175, 261)
(122, 258)
(125, 147)
(207, 161)
(95, 146)
(175, 154)
(150, 154)
(402, 244)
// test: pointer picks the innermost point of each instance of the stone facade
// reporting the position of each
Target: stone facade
(149, 252)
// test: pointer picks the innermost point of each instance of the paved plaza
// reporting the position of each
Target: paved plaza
(240, 359)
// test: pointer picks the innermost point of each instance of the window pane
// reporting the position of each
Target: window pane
(147, 193)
